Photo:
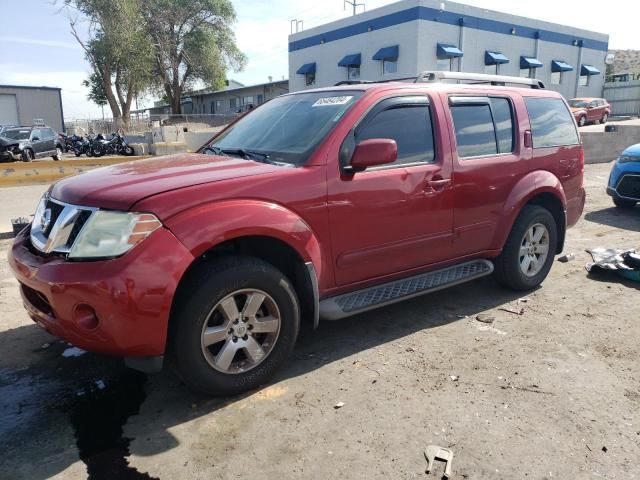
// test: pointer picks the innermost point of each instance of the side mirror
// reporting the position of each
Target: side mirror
(35, 139)
(373, 152)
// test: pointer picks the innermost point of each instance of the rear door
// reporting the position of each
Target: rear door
(487, 163)
(594, 111)
(49, 139)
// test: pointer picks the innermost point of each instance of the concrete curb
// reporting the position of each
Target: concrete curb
(32, 173)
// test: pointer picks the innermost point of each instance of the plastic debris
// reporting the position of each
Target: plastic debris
(624, 262)
(567, 258)
(338, 405)
(433, 453)
(454, 378)
(485, 318)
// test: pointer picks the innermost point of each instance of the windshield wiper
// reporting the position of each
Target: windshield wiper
(243, 152)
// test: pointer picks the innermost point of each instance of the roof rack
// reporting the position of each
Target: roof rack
(352, 82)
(477, 78)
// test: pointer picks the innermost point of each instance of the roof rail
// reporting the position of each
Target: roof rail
(477, 78)
(352, 82)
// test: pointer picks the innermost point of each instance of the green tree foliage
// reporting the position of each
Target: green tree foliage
(117, 48)
(192, 40)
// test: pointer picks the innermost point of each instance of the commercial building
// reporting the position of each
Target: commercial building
(401, 40)
(20, 105)
(235, 98)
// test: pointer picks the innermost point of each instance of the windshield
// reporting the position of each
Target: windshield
(16, 134)
(286, 129)
(578, 103)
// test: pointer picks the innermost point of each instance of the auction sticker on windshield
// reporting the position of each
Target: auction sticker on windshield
(332, 100)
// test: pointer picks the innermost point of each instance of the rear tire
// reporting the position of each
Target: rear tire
(582, 121)
(203, 314)
(604, 118)
(519, 254)
(624, 203)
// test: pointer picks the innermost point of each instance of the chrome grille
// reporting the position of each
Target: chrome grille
(56, 225)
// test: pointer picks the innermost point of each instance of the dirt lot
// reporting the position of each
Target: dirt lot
(551, 393)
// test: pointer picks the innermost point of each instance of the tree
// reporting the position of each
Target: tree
(192, 40)
(118, 51)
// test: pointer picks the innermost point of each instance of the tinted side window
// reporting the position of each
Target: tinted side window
(35, 133)
(409, 125)
(475, 134)
(503, 118)
(551, 123)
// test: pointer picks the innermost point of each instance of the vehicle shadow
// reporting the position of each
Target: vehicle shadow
(616, 217)
(94, 396)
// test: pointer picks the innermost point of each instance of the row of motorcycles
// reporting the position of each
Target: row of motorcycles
(96, 145)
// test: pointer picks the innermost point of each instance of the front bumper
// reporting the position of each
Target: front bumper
(9, 156)
(131, 295)
(624, 181)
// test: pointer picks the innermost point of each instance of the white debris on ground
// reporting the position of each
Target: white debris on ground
(73, 352)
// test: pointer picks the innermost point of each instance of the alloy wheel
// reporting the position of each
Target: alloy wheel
(534, 249)
(240, 331)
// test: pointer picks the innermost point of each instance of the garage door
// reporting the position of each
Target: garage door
(8, 109)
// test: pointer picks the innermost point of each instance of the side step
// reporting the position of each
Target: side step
(335, 308)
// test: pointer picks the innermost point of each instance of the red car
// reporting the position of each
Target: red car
(318, 204)
(590, 110)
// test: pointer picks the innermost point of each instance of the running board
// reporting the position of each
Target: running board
(335, 308)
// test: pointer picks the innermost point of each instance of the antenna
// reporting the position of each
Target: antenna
(355, 5)
(297, 25)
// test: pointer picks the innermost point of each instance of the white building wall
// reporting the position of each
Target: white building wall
(418, 39)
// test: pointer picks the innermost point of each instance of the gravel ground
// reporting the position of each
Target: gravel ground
(553, 392)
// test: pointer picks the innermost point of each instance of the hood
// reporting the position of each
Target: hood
(119, 186)
(8, 141)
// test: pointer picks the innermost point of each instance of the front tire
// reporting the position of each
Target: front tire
(624, 203)
(27, 155)
(58, 155)
(234, 326)
(528, 254)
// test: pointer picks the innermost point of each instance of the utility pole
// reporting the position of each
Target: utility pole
(354, 4)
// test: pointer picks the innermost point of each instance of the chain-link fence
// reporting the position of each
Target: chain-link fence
(139, 124)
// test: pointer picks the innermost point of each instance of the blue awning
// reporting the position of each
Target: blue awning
(494, 58)
(351, 60)
(448, 51)
(530, 62)
(387, 53)
(307, 68)
(560, 66)
(589, 70)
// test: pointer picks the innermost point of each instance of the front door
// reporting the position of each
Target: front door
(395, 217)
(39, 143)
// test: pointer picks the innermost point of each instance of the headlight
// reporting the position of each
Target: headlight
(111, 234)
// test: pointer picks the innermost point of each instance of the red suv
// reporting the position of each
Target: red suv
(318, 204)
(590, 110)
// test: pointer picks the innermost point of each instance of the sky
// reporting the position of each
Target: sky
(47, 54)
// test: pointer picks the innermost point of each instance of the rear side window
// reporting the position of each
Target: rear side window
(409, 125)
(551, 122)
(483, 126)
(503, 119)
(475, 134)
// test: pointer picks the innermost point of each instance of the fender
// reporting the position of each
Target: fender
(208, 225)
(532, 184)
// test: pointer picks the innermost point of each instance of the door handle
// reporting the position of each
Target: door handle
(440, 183)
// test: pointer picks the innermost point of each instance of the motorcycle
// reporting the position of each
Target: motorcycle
(84, 146)
(68, 141)
(115, 145)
